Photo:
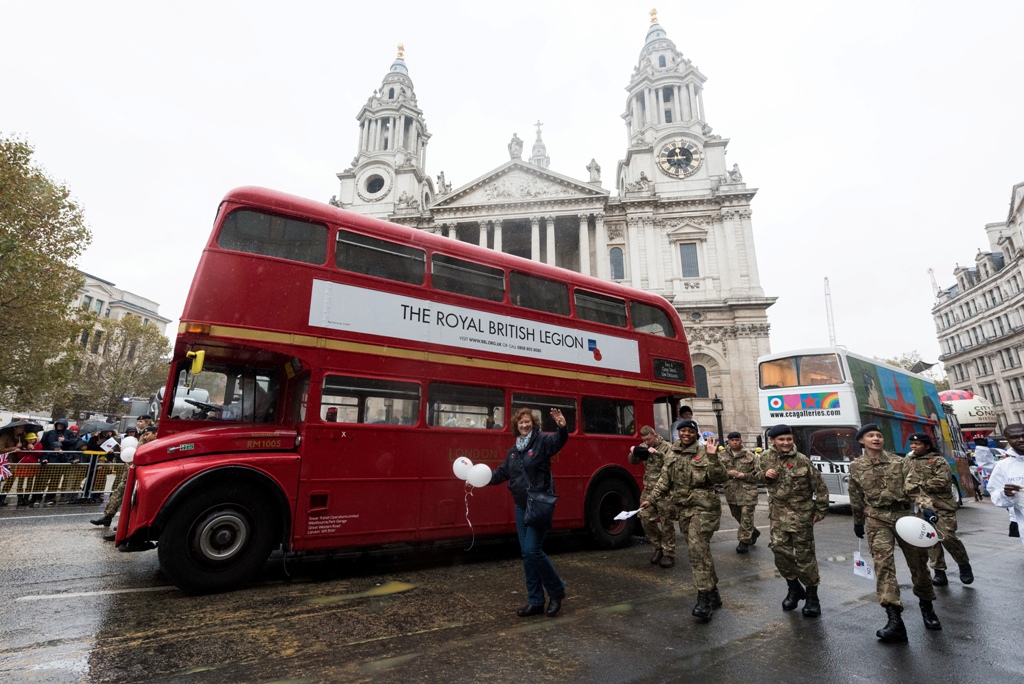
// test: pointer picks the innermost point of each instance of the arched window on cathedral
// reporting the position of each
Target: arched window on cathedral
(661, 61)
(700, 381)
(618, 267)
(391, 93)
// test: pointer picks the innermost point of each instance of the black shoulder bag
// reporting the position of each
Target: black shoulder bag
(540, 506)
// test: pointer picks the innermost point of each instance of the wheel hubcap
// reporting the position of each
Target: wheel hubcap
(611, 505)
(222, 535)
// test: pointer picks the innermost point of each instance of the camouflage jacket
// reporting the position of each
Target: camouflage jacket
(797, 494)
(930, 481)
(878, 488)
(688, 480)
(654, 462)
(740, 492)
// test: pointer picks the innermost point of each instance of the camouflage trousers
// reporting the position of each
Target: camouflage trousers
(882, 540)
(745, 517)
(116, 496)
(659, 527)
(698, 527)
(946, 527)
(794, 554)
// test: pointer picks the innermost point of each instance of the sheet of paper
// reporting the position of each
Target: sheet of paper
(109, 444)
(625, 515)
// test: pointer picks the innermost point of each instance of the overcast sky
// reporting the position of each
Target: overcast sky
(882, 136)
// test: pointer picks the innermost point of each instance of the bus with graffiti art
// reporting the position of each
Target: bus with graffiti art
(827, 394)
(330, 368)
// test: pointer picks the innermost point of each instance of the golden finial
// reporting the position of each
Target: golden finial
(654, 17)
(401, 51)
(538, 125)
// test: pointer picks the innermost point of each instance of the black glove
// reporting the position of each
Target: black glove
(930, 516)
(641, 452)
(858, 530)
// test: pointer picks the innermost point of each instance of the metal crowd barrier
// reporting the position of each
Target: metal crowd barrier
(96, 473)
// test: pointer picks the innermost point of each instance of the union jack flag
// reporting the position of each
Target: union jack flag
(5, 468)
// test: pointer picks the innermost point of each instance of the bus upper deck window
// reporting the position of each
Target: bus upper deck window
(467, 278)
(599, 308)
(650, 319)
(539, 294)
(370, 256)
(258, 233)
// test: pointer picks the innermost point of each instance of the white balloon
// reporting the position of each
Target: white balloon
(479, 476)
(129, 442)
(917, 532)
(128, 455)
(461, 467)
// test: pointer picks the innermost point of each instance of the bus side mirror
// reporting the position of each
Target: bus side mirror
(197, 365)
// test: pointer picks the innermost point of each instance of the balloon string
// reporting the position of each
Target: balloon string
(469, 493)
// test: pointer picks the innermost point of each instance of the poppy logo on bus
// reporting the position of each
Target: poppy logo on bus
(592, 346)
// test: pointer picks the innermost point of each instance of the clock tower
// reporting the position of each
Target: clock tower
(682, 225)
(387, 178)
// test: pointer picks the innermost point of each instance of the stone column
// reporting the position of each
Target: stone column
(677, 96)
(690, 101)
(633, 246)
(535, 238)
(497, 235)
(483, 233)
(659, 106)
(601, 237)
(551, 240)
(700, 104)
(453, 231)
(654, 278)
(584, 244)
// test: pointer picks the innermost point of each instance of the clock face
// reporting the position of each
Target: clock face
(680, 158)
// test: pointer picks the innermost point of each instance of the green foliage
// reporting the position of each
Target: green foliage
(130, 361)
(42, 230)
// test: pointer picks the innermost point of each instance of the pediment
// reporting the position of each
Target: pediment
(683, 229)
(518, 181)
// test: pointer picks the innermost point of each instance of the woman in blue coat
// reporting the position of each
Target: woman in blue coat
(528, 466)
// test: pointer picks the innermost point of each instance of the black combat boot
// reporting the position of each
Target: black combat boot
(940, 579)
(703, 609)
(812, 607)
(931, 620)
(742, 547)
(754, 536)
(966, 575)
(895, 631)
(104, 521)
(795, 596)
(716, 599)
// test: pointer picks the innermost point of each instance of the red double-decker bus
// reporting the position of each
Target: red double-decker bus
(329, 369)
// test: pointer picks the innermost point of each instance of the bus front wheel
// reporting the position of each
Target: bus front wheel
(610, 497)
(218, 539)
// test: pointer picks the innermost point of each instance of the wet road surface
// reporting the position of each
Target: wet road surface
(76, 610)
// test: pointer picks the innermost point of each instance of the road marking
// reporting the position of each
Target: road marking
(106, 592)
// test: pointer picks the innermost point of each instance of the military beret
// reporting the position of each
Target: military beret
(734, 435)
(779, 430)
(687, 424)
(923, 438)
(870, 427)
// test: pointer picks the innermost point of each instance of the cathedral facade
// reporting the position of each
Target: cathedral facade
(678, 222)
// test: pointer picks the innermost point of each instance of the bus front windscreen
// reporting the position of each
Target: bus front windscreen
(801, 371)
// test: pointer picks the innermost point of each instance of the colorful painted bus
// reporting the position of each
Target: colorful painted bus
(329, 369)
(827, 394)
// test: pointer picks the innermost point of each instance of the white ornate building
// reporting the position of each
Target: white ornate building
(980, 319)
(678, 224)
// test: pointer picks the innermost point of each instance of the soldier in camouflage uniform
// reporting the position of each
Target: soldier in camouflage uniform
(878, 493)
(661, 534)
(931, 478)
(797, 499)
(688, 480)
(741, 488)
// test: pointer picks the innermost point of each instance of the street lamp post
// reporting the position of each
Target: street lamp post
(717, 405)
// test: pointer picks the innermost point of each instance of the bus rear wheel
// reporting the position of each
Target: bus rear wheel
(218, 539)
(610, 497)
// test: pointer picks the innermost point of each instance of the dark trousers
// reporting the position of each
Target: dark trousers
(540, 573)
